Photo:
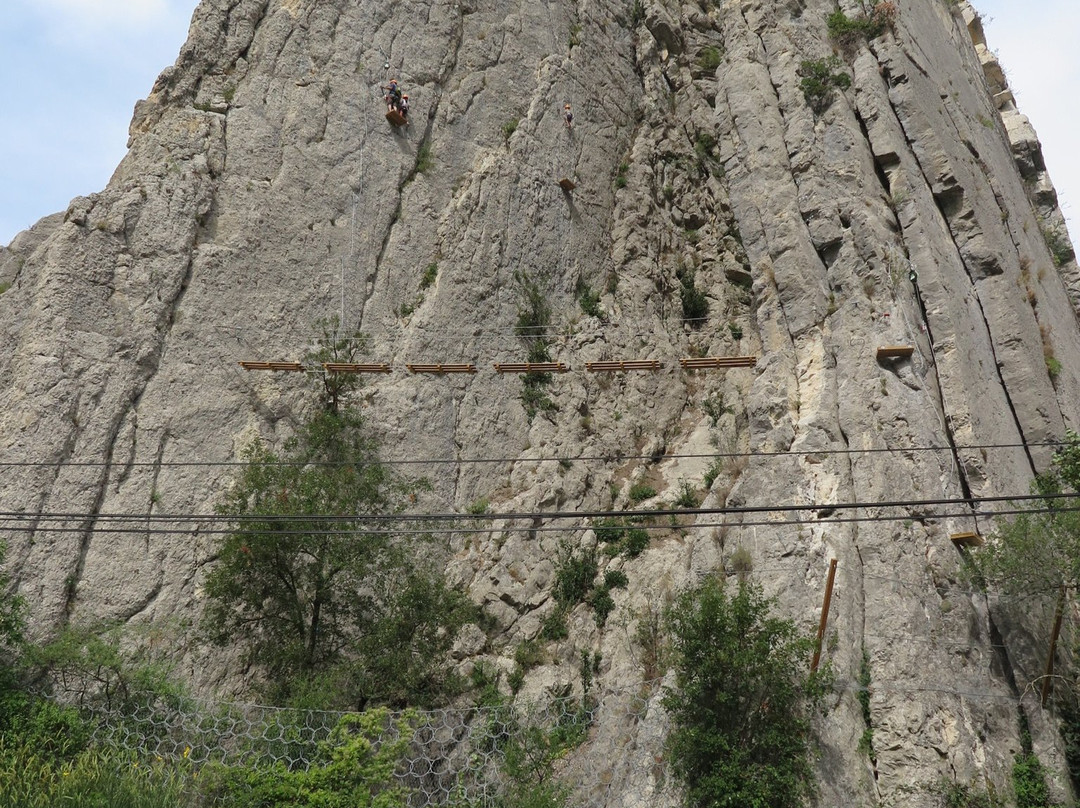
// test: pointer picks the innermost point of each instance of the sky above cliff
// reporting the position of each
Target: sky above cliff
(73, 69)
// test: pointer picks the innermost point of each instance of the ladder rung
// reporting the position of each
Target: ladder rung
(460, 368)
(895, 351)
(293, 366)
(356, 367)
(567, 184)
(706, 362)
(632, 364)
(530, 367)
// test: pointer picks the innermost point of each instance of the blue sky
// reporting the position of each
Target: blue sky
(73, 69)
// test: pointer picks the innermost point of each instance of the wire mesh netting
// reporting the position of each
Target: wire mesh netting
(602, 745)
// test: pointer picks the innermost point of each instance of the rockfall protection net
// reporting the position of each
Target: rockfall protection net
(603, 746)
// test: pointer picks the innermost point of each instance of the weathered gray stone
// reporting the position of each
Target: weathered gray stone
(264, 189)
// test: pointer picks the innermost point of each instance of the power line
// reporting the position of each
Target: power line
(454, 530)
(604, 458)
(724, 510)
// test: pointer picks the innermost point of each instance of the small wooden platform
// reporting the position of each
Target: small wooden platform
(396, 118)
(460, 368)
(290, 366)
(895, 351)
(966, 539)
(530, 367)
(633, 364)
(709, 362)
(355, 367)
(567, 184)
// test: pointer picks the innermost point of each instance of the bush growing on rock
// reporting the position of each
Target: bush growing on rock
(742, 701)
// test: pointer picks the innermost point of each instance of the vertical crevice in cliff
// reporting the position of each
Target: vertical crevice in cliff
(943, 201)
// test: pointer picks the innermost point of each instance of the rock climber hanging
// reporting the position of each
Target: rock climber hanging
(397, 103)
(568, 115)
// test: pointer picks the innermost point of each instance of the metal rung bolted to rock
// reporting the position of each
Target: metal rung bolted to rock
(439, 369)
(711, 362)
(286, 366)
(632, 364)
(530, 367)
(356, 367)
(895, 351)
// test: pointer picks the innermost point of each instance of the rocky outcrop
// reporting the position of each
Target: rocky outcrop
(263, 190)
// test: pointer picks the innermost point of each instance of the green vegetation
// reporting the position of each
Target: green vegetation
(709, 58)
(959, 795)
(4, 287)
(639, 492)
(354, 769)
(847, 32)
(620, 175)
(1036, 556)
(533, 323)
(819, 78)
(334, 345)
(1057, 242)
(707, 155)
(687, 497)
(575, 574)
(619, 537)
(590, 301)
(741, 707)
(1029, 780)
(431, 272)
(425, 158)
(637, 13)
(695, 304)
(509, 128)
(332, 613)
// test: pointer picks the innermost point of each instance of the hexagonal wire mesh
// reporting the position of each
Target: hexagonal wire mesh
(604, 745)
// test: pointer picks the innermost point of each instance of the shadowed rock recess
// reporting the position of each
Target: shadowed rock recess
(263, 189)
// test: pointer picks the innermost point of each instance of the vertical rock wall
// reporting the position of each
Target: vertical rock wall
(263, 189)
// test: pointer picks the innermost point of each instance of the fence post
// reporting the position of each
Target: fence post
(824, 616)
(1048, 677)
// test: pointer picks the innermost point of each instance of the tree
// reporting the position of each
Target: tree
(742, 702)
(1034, 554)
(333, 346)
(308, 576)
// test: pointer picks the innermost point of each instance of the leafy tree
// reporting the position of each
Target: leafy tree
(307, 579)
(1039, 553)
(355, 769)
(742, 702)
(333, 346)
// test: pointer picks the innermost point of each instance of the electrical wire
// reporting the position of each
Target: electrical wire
(145, 529)
(604, 458)
(821, 507)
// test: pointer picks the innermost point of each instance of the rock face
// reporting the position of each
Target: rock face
(263, 189)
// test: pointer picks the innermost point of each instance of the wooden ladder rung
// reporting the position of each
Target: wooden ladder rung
(530, 367)
(567, 184)
(459, 368)
(356, 367)
(707, 362)
(895, 351)
(966, 539)
(291, 366)
(632, 364)
(396, 118)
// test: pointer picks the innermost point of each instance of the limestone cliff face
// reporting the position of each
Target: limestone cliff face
(263, 189)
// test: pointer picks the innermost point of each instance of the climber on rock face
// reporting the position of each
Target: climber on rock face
(403, 105)
(568, 116)
(393, 96)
